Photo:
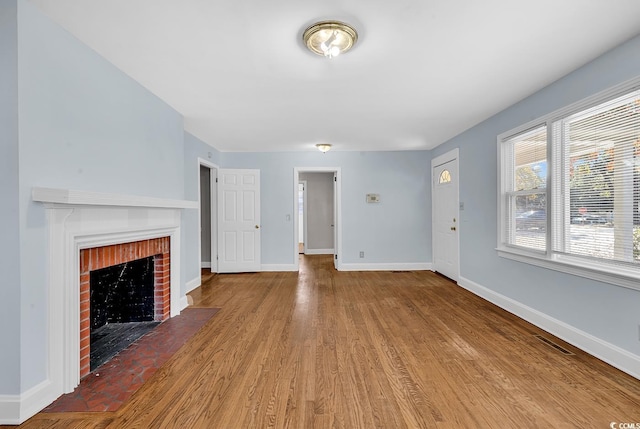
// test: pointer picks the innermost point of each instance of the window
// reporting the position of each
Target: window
(570, 188)
(526, 193)
(445, 177)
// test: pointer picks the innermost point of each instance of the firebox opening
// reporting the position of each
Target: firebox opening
(122, 307)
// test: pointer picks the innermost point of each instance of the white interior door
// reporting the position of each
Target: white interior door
(446, 222)
(238, 221)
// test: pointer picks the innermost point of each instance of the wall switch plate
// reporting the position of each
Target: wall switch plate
(373, 198)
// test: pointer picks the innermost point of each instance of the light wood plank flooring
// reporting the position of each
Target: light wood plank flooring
(327, 349)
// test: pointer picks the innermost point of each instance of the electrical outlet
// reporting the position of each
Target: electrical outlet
(361, 254)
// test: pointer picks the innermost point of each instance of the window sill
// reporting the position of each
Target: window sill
(627, 277)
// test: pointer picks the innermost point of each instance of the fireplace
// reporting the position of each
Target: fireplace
(121, 283)
(82, 223)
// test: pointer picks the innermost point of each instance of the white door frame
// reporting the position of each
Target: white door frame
(214, 214)
(337, 197)
(452, 155)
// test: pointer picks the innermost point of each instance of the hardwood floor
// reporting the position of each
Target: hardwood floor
(327, 349)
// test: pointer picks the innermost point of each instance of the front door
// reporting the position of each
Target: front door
(446, 222)
(238, 221)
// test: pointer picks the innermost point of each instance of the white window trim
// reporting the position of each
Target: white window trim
(619, 275)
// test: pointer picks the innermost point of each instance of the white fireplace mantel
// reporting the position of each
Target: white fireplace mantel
(85, 219)
(75, 197)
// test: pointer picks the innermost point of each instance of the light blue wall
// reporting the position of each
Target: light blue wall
(84, 125)
(605, 311)
(396, 230)
(194, 148)
(9, 215)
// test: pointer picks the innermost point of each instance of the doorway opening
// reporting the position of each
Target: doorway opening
(317, 205)
(207, 194)
(302, 214)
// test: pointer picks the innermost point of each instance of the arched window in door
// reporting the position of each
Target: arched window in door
(445, 177)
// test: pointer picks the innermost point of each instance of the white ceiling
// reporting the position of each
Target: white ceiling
(422, 71)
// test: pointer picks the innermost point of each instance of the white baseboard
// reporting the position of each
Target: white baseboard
(318, 252)
(278, 267)
(390, 266)
(184, 302)
(205, 264)
(607, 352)
(192, 284)
(10, 410)
(16, 409)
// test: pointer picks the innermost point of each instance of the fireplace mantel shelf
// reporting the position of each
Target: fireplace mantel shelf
(89, 198)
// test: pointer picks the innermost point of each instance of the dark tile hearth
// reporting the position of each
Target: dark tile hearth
(108, 340)
(112, 384)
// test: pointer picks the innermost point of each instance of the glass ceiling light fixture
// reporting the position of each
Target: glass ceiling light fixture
(323, 147)
(329, 38)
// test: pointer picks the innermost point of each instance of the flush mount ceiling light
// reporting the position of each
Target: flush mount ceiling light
(330, 38)
(323, 147)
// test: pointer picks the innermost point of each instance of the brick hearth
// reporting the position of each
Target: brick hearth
(106, 256)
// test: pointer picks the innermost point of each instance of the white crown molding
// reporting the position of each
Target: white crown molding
(79, 198)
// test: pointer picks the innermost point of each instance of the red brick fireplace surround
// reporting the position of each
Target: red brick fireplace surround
(107, 256)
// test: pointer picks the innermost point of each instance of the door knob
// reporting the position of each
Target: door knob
(257, 227)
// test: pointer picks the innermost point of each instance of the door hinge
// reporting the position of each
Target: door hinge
(216, 180)
(335, 178)
(335, 256)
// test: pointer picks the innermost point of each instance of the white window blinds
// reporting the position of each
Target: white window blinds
(525, 188)
(601, 181)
